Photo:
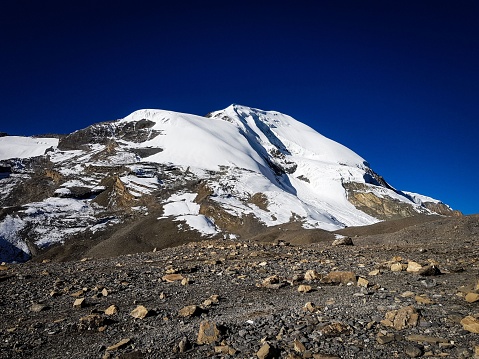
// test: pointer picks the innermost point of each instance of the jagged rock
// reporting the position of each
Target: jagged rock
(384, 338)
(430, 270)
(79, 303)
(121, 344)
(225, 349)
(470, 324)
(413, 351)
(140, 312)
(37, 307)
(214, 299)
(403, 318)
(472, 297)
(305, 288)
(170, 278)
(310, 307)
(104, 292)
(91, 322)
(335, 329)
(189, 311)
(362, 282)
(184, 345)
(265, 352)
(396, 267)
(311, 275)
(339, 278)
(423, 300)
(345, 241)
(298, 346)
(425, 339)
(208, 333)
(413, 267)
(185, 281)
(111, 310)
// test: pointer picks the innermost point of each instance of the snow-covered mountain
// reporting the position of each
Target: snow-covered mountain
(166, 175)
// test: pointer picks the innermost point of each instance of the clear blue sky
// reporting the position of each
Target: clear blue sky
(396, 81)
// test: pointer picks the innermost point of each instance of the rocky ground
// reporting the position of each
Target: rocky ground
(398, 291)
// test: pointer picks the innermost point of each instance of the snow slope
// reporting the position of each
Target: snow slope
(25, 147)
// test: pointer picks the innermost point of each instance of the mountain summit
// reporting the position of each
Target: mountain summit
(159, 178)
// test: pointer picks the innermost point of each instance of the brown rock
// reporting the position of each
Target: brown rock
(208, 333)
(413, 267)
(264, 352)
(423, 300)
(172, 277)
(309, 307)
(325, 356)
(305, 288)
(111, 310)
(3, 267)
(470, 324)
(299, 347)
(396, 267)
(403, 318)
(413, 351)
(362, 282)
(214, 299)
(339, 278)
(189, 311)
(374, 272)
(184, 345)
(104, 292)
(425, 339)
(79, 303)
(384, 338)
(225, 349)
(78, 293)
(472, 297)
(122, 343)
(311, 274)
(140, 312)
(185, 281)
(335, 329)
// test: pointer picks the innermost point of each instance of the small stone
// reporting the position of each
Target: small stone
(140, 312)
(472, 297)
(208, 333)
(214, 299)
(384, 338)
(476, 351)
(162, 295)
(184, 345)
(423, 300)
(309, 307)
(3, 267)
(325, 356)
(344, 241)
(403, 318)
(225, 349)
(55, 293)
(104, 292)
(374, 272)
(335, 329)
(79, 303)
(78, 293)
(299, 347)
(470, 324)
(122, 343)
(413, 267)
(91, 322)
(430, 270)
(305, 288)
(111, 310)
(185, 281)
(407, 294)
(36, 307)
(396, 267)
(189, 311)
(170, 278)
(311, 274)
(264, 352)
(339, 278)
(425, 339)
(413, 351)
(362, 282)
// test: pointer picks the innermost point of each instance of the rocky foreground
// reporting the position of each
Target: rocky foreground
(406, 294)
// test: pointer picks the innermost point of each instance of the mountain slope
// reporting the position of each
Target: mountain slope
(232, 173)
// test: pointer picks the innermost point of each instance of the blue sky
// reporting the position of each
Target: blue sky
(395, 81)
